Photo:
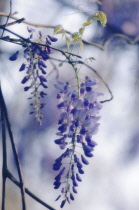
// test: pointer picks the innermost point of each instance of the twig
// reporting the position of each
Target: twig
(4, 166)
(28, 40)
(13, 179)
(6, 173)
(54, 69)
(11, 40)
(14, 22)
(102, 47)
(98, 75)
(5, 114)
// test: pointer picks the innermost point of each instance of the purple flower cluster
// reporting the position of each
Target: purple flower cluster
(36, 55)
(78, 122)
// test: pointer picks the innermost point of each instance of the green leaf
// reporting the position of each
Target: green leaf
(76, 37)
(81, 45)
(59, 29)
(63, 33)
(68, 41)
(89, 18)
(60, 64)
(91, 59)
(77, 40)
(81, 31)
(100, 16)
(86, 23)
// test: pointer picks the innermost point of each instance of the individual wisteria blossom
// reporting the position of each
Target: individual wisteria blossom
(78, 122)
(35, 66)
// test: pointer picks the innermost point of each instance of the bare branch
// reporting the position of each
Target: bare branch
(29, 41)
(92, 69)
(14, 22)
(4, 164)
(5, 115)
(107, 86)
(102, 47)
(13, 179)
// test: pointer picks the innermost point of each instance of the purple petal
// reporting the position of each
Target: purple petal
(30, 30)
(42, 84)
(41, 63)
(63, 203)
(72, 177)
(84, 160)
(79, 165)
(53, 39)
(80, 171)
(86, 148)
(57, 198)
(90, 82)
(25, 79)
(63, 119)
(71, 197)
(75, 183)
(42, 79)
(78, 178)
(83, 131)
(26, 88)
(74, 189)
(48, 41)
(22, 67)
(75, 158)
(44, 56)
(62, 128)
(14, 56)
(68, 200)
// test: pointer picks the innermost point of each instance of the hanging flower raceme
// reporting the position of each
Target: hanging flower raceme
(35, 80)
(78, 122)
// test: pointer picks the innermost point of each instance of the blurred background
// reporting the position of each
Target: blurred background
(111, 180)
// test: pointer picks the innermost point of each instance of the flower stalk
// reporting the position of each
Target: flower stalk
(78, 122)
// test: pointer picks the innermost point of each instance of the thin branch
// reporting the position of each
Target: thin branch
(54, 69)
(14, 22)
(102, 47)
(130, 41)
(4, 110)
(4, 166)
(13, 179)
(107, 86)
(29, 41)
(98, 75)
(11, 40)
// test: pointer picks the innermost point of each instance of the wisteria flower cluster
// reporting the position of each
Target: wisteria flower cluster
(78, 122)
(36, 55)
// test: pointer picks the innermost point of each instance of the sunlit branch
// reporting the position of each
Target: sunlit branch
(102, 47)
